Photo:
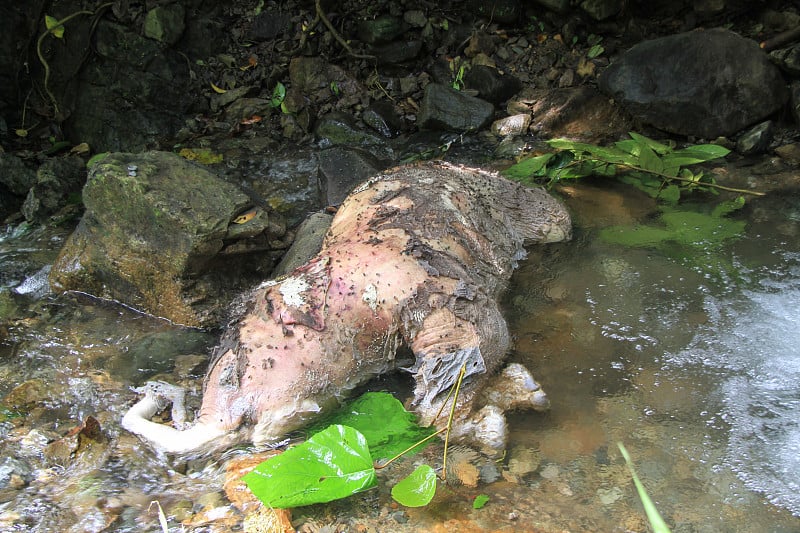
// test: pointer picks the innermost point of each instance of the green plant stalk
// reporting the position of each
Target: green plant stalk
(653, 516)
(401, 454)
(450, 419)
(668, 177)
(44, 62)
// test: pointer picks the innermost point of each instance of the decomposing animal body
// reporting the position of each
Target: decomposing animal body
(417, 255)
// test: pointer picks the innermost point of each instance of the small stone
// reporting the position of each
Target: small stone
(756, 140)
(513, 125)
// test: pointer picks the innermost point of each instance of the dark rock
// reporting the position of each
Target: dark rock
(307, 243)
(444, 108)
(756, 140)
(342, 168)
(134, 82)
(381, 117)
(794, 101)
(381, 29)
(788, 59)
(577, 112)
(15, 175)
(163, 235)
(395, 53)
(269, 24)
(704, 83)
(491, 85)
(165, 24)
(56, 180)
(340, 129)
(559, 6)
(602, 9)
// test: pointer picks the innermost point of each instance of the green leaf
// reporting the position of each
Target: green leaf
(416, 490)
(670, 194)
(595, 51)
(727, 207)
(527, 168)
(278, 95)
(56, 29)
(380, 417)
(656, 522)
(479, 501)
(649, 161)
(655, 146)
(691, 155)
(334, 463)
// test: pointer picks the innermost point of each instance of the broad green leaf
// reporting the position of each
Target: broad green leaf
(527, 168)
(606, 153)
(56, 29)
(479, 501)
(649, 161)
(670, 194)
(691, 155)
(380, 417)
(727, 207)
(334, 463)
(416, 490)
(656, 522)
(655, 146)
(278, 95)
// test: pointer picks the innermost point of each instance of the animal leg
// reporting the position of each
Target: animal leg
(157, 395)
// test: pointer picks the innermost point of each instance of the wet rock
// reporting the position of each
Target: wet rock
(26, 394)
(307, 243)
(559, 6)
(165, 24)
(577, 112)
(14, 473)
(491, 85)
(342, 168)
(56, 180)
(756, 139)
(15, 181)
(15, 175)
(340, 129)
(704, 83)
(381, 29)
(444, 108)
(168, 237)
(381, 117)
(602, 9)
(83, 444)
(415, 18)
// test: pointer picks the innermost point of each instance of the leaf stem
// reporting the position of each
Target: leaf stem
(399, 455)
(450, 419)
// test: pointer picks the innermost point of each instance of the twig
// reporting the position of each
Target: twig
(779, 40)
(339, 38)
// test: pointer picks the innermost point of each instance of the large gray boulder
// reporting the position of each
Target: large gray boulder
(168, 237)
(703, 83)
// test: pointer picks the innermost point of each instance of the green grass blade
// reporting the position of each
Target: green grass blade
(656, 522)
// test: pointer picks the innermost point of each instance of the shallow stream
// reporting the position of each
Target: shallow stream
(686, 351)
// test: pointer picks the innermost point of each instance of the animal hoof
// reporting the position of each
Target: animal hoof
(163, 394)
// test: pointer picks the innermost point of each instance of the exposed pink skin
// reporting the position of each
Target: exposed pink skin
(418, 255)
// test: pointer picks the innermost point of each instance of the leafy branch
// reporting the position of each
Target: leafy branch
(657, 168)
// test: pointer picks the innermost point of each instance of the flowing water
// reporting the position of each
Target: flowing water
(687, 352)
